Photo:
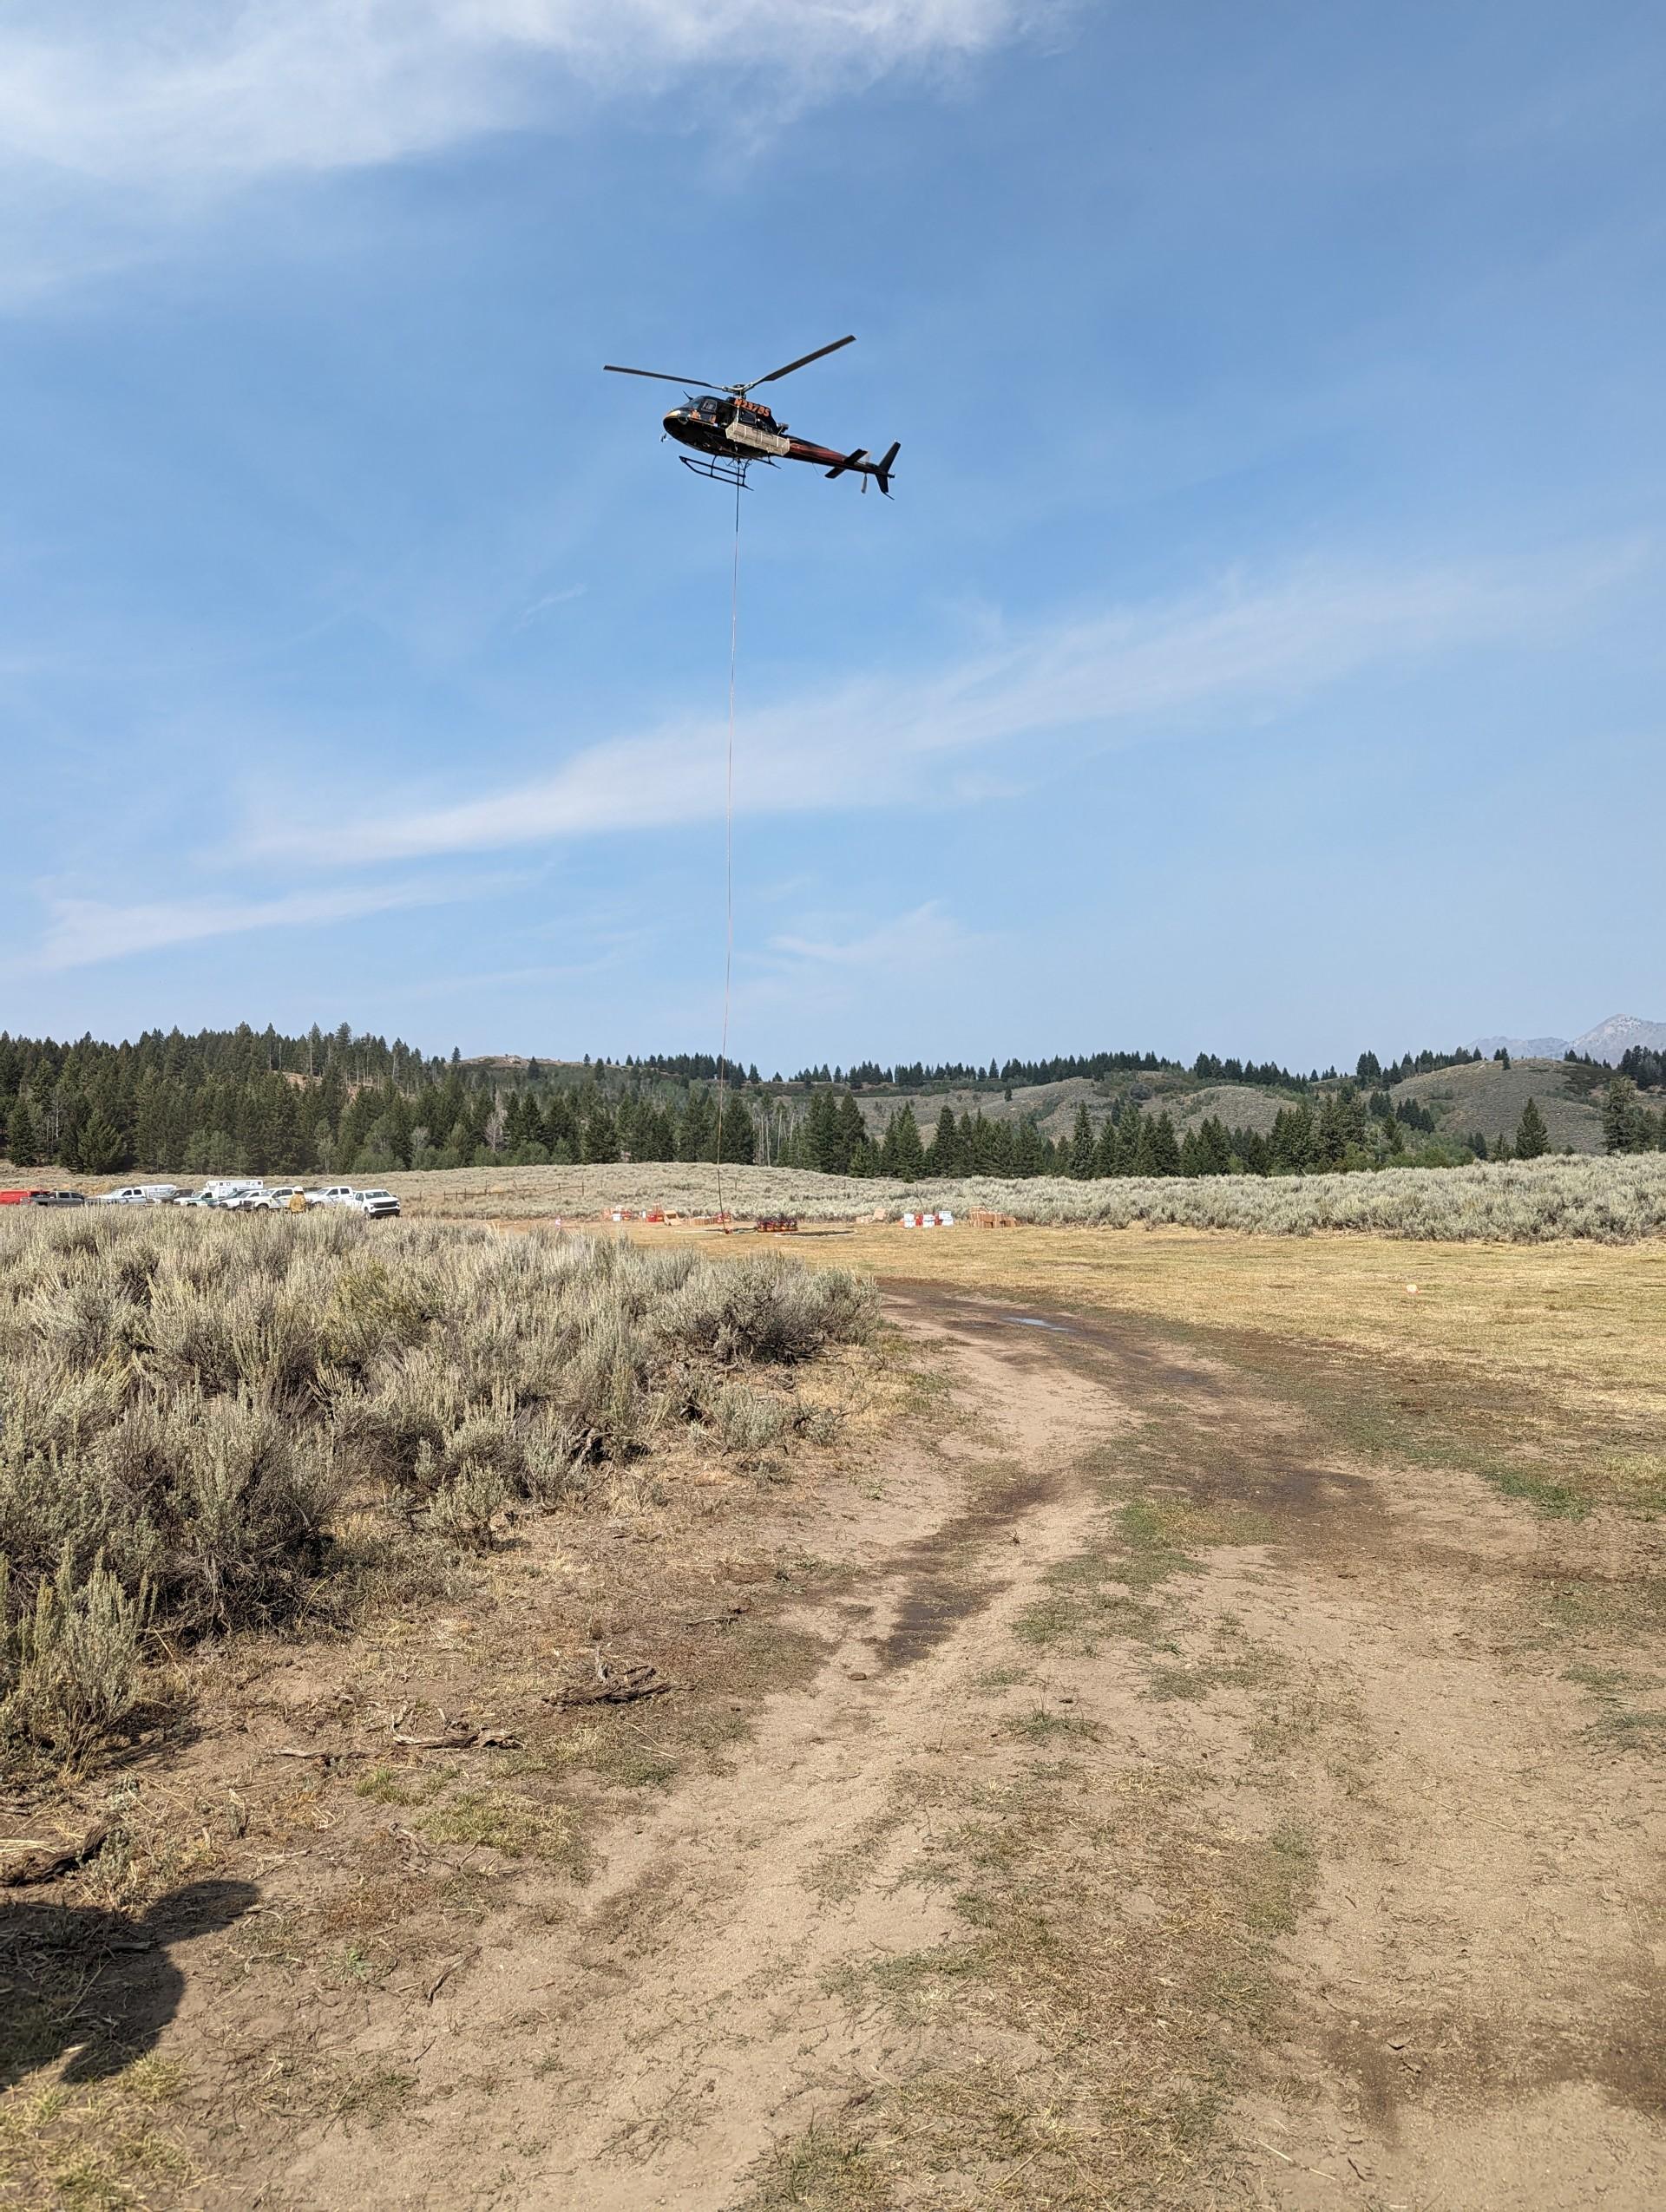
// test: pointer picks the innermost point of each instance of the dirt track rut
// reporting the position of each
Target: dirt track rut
(1454, 1998)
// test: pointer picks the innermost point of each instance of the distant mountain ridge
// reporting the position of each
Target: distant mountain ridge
(1522, 1048)
(1608, 1042)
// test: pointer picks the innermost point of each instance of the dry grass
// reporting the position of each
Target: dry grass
(96, 2151)
(1556, 1344)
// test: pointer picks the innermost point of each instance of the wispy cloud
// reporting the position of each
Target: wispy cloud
(1119, 676)
(206, 91)
(549, 600)
(910, 942)
(835, 964)
(82, 932)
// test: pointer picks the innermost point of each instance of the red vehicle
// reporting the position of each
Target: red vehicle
(20, 1197)
(730, 431)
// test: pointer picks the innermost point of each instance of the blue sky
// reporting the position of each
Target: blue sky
(1261, 653)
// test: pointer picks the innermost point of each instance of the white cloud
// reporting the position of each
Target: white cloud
(1120, 676)
(203, 91)
(85, 930)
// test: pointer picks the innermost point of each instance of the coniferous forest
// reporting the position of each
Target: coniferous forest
(256, 1102)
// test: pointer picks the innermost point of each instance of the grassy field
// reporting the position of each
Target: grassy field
(1608, 1201)
(1545, 1356)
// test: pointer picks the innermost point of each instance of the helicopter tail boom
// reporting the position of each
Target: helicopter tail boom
(880, 469)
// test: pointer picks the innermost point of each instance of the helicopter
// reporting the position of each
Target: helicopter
(729, 431)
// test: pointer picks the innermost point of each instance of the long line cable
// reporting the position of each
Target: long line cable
(729, 850)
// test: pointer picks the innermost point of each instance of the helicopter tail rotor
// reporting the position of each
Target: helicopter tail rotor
(883, 465)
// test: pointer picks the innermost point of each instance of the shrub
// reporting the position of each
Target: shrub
(188, 1401)
(747, 1421)
(70, 1661)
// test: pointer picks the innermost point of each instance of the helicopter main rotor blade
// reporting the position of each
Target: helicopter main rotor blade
(698, 383)
(804, 361)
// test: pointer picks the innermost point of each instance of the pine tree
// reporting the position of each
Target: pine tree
(1159, 1148)
(100, 1147)
(852, 1134)
(1081, 1145)
(908, 1153)
(1215, 1148)
(697, 1135)
(943, 1154)
(740, 1131)
(1029, 1154)
(1105, 1151)
(599, 1139)
(1621, 1116)
(559, 1131)
(822, 1134)
(22, 1142)
(1533, 1138)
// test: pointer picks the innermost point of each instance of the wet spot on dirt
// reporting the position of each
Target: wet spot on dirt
(942, 1586)
(1142, 1356)
(927, 1614)
(1299, 1494)
(1415, 2061)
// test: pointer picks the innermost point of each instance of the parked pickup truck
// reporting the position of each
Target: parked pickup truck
(139, 1195)
(334, 1194)
(374, 1202)
(237, 1192)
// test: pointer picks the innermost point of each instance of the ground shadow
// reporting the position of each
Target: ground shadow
(100, 1985)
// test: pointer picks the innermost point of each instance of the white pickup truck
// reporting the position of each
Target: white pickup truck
(139, 1195)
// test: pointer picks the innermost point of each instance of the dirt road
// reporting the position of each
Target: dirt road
(1183, 1812)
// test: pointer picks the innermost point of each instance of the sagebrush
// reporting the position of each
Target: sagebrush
(1617, 1200)
(186, 1404)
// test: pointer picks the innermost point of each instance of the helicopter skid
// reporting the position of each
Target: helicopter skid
(725, 468)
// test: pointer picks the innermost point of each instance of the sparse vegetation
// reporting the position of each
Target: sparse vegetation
(188, 1404)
